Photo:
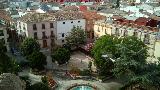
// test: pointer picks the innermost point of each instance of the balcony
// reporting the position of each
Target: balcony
(45, 37)
(52, 36)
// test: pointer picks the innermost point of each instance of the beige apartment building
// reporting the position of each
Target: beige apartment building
(146, 34)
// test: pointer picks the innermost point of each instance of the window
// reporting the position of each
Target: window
(43, 34)
(92, 35)
(51, 32)
(78, 21)
(117, 32)
(63, 22)
(62, 41)
(135, 33)
(105, 31)
(72, 22)
(35, 35)
(146, 39)
(34, 27)
(51, 25)
(44, 43)
(125, 33)
(98, 29)
(62, 34)
(43, 26)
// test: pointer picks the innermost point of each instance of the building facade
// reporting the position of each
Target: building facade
(50, 28)
(91, 17)
(148, 35)
(38, 26)
(65, 21)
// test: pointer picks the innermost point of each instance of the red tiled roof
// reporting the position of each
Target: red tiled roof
(92, 15)
(142, 21)
(82, 8)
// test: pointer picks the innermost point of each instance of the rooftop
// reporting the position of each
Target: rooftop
(92, 15)
(59, 15)
(68, 15)
(38, 17)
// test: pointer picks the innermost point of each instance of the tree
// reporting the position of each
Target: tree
(148, 79)
(39, 86)
(106, 45)
(104, 67)
(37, 60)
(2, 48)
(61, 55)
(44, 80)
(129, 54)
(8, 65)
(29, 45)
(76, 37)
(133, 56)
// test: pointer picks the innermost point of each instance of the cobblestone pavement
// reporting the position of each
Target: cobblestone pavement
(78, 59)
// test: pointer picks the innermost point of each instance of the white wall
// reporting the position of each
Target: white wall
(157, 49)
(66, 28)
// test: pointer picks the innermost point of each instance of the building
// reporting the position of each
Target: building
(91, 17)
(49, 28)
(39, 26)
(146, 34)
(102, 27)
(5, 23)
(65, 21)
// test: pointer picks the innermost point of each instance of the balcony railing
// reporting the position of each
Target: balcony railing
(45, 37)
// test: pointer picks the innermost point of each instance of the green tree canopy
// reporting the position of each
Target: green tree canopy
(61, 55)
(39, 86)
(76, 37)
(37, 60)
(8, 65)
(2, 47)
(148, 79)
(106, 45)
(133, 56)
(29, 45)
(129, 54)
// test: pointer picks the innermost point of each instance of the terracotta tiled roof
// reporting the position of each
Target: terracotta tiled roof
(93, 15)
(38, 17)
(70, 8)
(68, 15)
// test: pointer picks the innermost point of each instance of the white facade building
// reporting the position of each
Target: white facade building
(65, 22)
(45, 27)
(64, 27)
